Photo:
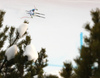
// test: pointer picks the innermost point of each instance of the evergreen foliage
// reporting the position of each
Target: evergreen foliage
(3, 37)
(51, 76)
(90, 53)
(19, 66)
(40, 63)
(66, 71)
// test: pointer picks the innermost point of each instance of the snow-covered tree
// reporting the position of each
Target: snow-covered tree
(3, 37)
(19, 58)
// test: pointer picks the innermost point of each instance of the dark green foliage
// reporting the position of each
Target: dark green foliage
(66, 71)
(19, 66)
(51, 76)
(40, 63)
(84, 63)
(26, 22)
(2, 13)
(3, 37)
(90, 53)
(11, 34)
(87, 27)
(95, 16)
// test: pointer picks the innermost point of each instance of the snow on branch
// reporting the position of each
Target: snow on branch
(22, 29)
(11, 52)
(31, 52)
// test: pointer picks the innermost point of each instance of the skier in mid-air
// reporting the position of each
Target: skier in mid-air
(33, 13)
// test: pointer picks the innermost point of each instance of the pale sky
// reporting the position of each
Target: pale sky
(60, 32)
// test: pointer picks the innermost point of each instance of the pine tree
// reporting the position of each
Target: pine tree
(66, 71)
(90, 53)
(84, 64)
(40, 63)
(3, 37)
(19, 66)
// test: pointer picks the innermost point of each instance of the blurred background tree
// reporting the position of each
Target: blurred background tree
(88, 63)
(66, 71)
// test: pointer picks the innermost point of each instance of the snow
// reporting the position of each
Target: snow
(44, 60)
(36, 76)
(95, 64)
(22, 29)
(31, 52)
(11, 52)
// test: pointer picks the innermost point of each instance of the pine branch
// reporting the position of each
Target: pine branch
(2, 13)
(5, 60)
(17, 37)
(11, 33)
